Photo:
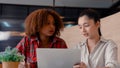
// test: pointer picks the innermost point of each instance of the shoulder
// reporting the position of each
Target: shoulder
(58, 39)
(30, 38)
(24, 40)
(111, 44)
(80, 45)
(60, 43)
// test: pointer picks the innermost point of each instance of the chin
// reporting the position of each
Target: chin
(50, 35)
(87, 37)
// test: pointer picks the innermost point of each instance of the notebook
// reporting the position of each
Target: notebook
(57, 58)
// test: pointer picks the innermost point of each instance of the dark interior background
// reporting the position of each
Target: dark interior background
(12, 18)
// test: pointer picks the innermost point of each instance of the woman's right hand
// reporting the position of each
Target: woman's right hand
(80, 65)
(24, 65)
(21, 65)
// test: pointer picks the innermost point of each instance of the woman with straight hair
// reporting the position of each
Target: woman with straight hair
(96, 52)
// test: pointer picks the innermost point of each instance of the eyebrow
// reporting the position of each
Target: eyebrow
(83, 24)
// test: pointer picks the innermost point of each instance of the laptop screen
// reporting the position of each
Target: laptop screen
(57, 58)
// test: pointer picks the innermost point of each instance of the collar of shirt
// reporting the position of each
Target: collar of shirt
(101, 40)
(35, 39)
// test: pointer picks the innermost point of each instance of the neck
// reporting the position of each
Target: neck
(94, 41)
(44, 39)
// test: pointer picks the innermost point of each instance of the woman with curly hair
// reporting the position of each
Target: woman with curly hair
(42, 28)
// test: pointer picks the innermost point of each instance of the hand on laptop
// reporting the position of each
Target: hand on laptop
(80, 65)
(24, 65)
(102, 67)
(21, 65)
(83, 65)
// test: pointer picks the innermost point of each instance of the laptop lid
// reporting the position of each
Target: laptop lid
(57, 58)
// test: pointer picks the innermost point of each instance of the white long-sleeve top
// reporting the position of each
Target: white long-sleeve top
(104, 54)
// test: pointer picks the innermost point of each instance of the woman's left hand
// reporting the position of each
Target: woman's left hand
(81, 65)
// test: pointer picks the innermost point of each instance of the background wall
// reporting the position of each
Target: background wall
(67, 3)
(12, 18)
(109, 27)
(29, 2)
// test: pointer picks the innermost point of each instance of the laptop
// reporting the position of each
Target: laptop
(57, 58)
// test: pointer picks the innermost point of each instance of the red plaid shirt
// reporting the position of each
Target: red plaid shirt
(27, 46)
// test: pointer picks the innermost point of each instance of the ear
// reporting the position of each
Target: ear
(98, 24)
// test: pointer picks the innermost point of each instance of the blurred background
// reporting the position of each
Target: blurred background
(14, 12)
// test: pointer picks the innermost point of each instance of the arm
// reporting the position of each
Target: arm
(80, 65)
(60, 43)
(21, 48)
(21, 45)
(111, 55)
(63, 44)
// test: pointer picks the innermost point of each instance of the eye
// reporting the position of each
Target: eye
(86, 25)
(80, 27)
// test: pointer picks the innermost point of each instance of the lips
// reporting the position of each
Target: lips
(85, 34)
(51, 31)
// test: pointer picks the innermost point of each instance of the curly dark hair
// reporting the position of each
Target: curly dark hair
(38, 18)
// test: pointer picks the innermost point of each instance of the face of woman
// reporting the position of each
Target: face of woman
(49, 28)
(88, 28)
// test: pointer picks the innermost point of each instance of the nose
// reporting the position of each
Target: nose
(52, 26)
